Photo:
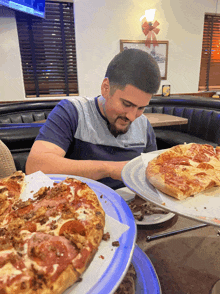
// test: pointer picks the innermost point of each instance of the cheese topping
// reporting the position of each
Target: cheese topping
(84, 213)
(8, 270)
(72, 192)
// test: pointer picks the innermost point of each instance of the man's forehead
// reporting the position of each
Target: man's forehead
(134, 96)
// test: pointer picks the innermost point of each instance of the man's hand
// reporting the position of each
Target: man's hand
(115, 169)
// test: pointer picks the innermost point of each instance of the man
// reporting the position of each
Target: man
(96, 137)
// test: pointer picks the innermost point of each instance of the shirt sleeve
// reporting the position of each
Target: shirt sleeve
(151, 139)
(61, 125)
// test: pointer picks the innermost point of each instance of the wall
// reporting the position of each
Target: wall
(100, 24)
(11, 78)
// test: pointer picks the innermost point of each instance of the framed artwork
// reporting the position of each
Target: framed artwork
(166, 90)
(159, 53)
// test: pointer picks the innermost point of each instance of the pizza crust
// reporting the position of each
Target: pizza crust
(68, 277)
(158, 183)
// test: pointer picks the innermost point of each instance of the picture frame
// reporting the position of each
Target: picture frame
(166, 90)
(159, 53)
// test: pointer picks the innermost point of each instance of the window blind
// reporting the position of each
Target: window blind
(48, 51)
(210, 60)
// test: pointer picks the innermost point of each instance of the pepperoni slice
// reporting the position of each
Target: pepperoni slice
(30, 226)
(201, 157)
(73, 226)
(48, 250)
(205, 166)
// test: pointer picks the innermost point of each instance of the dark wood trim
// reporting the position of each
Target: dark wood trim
(200, 94)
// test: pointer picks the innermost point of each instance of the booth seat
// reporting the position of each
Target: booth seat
(26, 112)
(203, 116)
(18, 127)
(19, 138)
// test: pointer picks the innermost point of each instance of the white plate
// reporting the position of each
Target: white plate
(203, 207)
(126, 194)
(152, 219)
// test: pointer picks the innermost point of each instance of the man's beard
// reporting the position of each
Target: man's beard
(113, 129)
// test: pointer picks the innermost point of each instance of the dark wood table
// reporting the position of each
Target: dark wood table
(40, 121)
(162, 119)
(187, 263)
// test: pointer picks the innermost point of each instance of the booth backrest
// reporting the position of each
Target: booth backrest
(203, 115)
(26, 112)
(19, 138)
(18, 129)
(187, 101)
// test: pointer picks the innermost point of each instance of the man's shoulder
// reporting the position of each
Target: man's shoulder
(81, 100)
(76, 103)
(141, 120)
(84, 105)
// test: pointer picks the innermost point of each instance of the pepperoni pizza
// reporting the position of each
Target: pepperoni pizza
(185, 170)
(10, 190)
(46, 243)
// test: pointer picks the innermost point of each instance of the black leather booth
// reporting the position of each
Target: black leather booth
(25, 112)
(18, 130)
(203, 120)
(19, 138)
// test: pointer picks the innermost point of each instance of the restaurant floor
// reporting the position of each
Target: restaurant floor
(186, 263)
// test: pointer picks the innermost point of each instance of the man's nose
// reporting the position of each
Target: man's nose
(132, 114)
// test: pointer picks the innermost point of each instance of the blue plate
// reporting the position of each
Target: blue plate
(117, 208)
(147, 281)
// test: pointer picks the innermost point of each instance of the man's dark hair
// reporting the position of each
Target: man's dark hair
(134, 67)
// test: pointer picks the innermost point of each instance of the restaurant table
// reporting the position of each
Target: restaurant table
(40, 121)
(186, 263)
(156, 119)
(162, 119)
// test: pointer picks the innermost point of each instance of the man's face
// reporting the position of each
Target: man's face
(123, 107)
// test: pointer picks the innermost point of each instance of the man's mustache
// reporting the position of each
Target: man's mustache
(125, 119)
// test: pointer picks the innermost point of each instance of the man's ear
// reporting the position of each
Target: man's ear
(105, 88)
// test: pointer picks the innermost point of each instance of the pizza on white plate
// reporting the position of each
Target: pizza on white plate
(185, 170)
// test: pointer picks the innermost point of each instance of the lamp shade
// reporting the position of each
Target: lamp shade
(149, 15)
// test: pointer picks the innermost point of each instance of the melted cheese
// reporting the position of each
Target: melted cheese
(28, 262)
(84, 213)
(193, 163)
(4, 253)
(55, 266)
(45, 227)
(72, 192)
(8, 270)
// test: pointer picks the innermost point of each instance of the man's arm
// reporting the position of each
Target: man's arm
(49, 158)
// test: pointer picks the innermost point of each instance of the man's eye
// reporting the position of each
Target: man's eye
(126, 104)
